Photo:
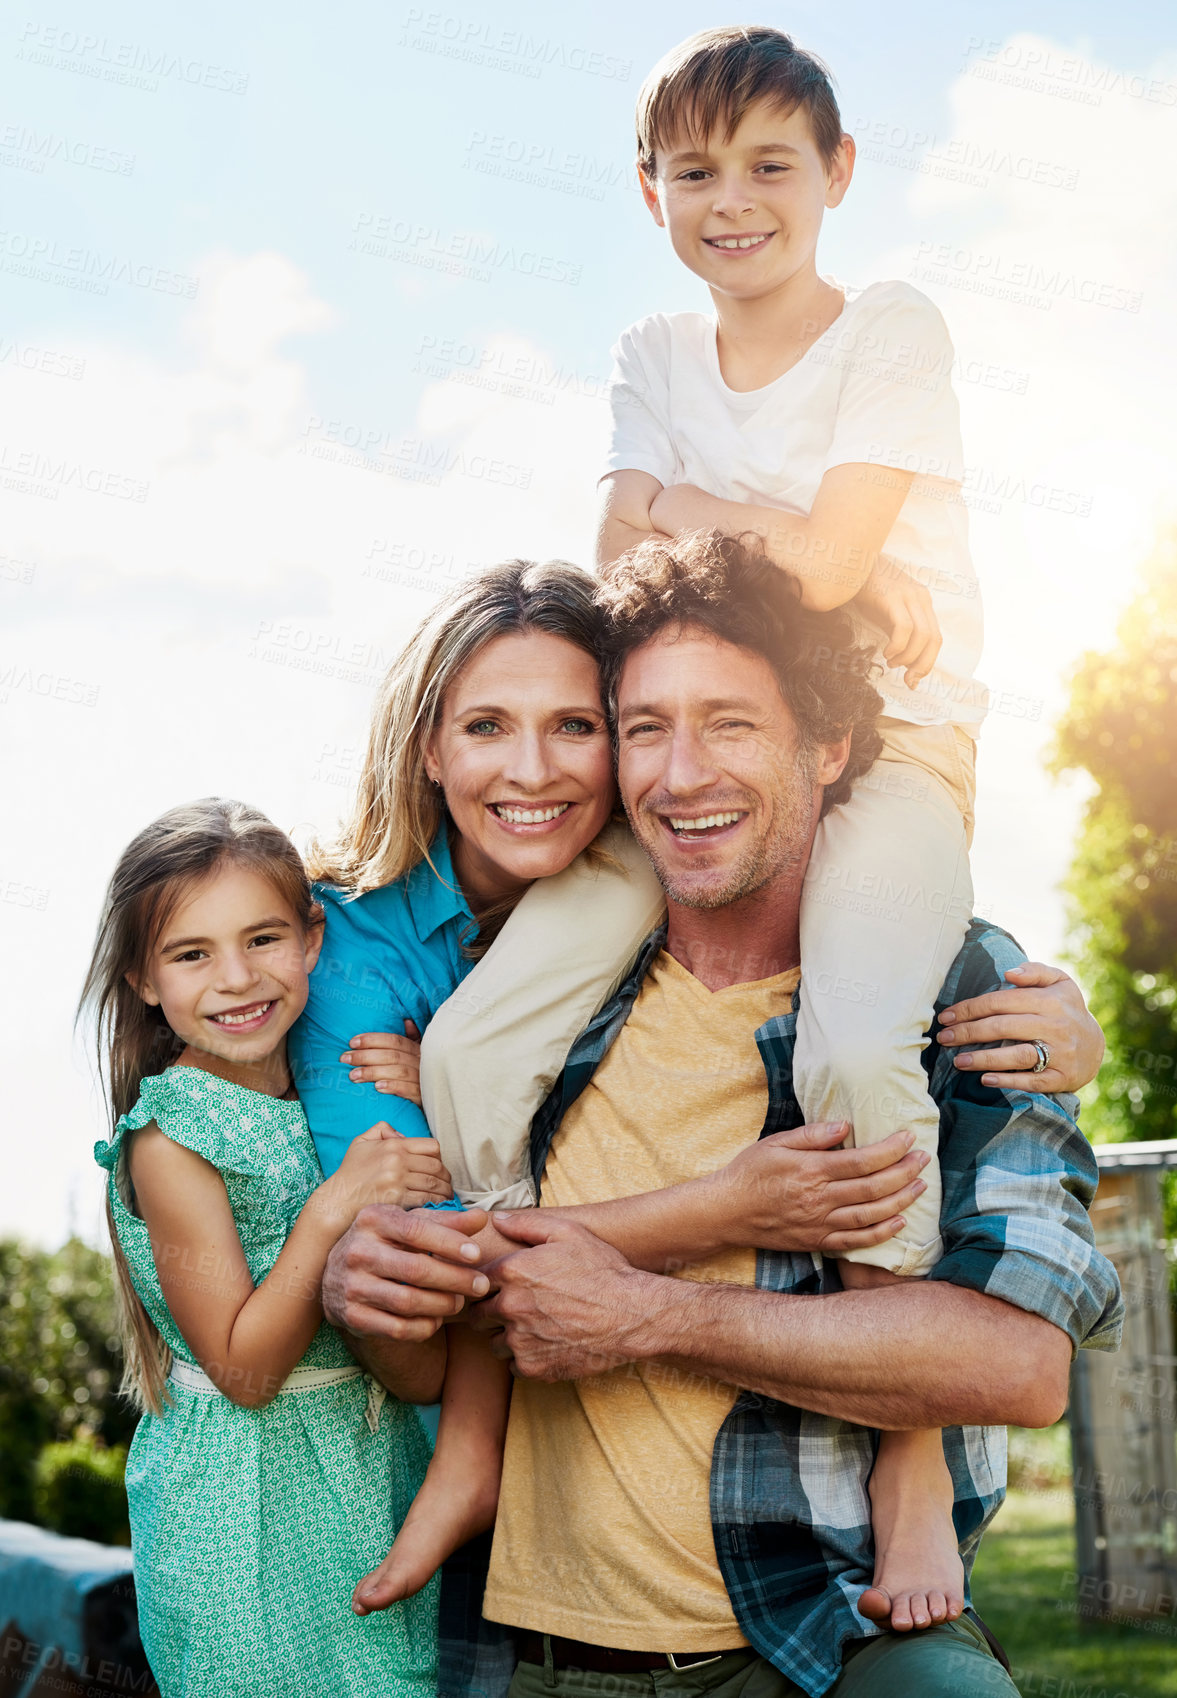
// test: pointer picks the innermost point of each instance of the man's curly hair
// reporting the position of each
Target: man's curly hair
(727, 586)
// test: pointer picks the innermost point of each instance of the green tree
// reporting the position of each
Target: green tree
(78, 1490)
(59, 1362)
(1121, 727)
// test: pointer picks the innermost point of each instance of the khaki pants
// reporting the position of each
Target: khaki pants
(952, 1659)
(886, 905)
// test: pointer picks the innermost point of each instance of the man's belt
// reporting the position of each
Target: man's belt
(600, 1659)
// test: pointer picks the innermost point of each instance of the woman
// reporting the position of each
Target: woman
(489, 766)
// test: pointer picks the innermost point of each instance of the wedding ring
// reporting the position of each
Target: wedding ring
(1043, 1061)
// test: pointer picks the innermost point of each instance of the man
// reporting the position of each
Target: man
(684, 1499)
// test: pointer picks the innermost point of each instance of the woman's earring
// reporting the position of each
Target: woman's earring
(436, 783)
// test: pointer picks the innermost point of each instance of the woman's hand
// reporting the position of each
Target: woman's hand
(1044, 1004)
(797, 1191)
(382, 1167)
(902, 609)
(391, 1063)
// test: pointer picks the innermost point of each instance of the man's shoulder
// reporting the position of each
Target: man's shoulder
(984, 958)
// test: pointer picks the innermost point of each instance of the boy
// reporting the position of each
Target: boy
(822, 419)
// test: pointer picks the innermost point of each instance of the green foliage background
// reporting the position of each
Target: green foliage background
(59, 1373)
(1121, 728)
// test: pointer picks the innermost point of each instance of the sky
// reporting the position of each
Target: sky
(304, 316)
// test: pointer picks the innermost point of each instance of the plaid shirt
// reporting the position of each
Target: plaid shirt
(789, 1504)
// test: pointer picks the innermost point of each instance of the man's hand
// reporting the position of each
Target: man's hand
(1043, 1003)
(796, 1191)
(400, 1273)
(902, 609)
(565, 1307)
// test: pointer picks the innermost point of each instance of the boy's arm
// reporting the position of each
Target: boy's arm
(831, 550)
(624, 521)
(834, 552)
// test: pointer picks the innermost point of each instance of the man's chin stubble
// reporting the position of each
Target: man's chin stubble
(744, 879)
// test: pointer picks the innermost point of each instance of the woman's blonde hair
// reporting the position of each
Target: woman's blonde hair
(165, 862)
(398, 812)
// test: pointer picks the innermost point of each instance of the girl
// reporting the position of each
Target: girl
(487, 780)
(267, 1471)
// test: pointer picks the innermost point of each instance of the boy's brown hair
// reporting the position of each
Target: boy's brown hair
(728, 587)
(709, 81)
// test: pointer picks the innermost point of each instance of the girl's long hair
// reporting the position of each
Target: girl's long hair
(155, 872)
(398, 812)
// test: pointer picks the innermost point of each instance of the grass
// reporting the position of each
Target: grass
(1024, 1587)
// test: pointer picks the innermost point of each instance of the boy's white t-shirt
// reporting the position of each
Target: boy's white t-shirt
(876, 390)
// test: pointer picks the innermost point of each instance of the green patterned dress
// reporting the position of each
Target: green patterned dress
(251, 1527)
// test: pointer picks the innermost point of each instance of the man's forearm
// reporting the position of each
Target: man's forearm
(920, 1354)
(412, 1372)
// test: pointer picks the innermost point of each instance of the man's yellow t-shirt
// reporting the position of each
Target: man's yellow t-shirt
(604, 1523)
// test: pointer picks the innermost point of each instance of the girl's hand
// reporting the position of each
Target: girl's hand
(391, 1063)
(382, 1167)
(796, 1191)
(1044, 1004)
(903, 610)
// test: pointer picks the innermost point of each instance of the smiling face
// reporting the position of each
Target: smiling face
(229, 970)
(523, 754)
(744, 213)
(720, 790)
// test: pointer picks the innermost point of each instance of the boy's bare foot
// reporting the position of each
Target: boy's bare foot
(919, 1577)
(443, 1515)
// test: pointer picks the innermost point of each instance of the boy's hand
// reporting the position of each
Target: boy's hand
(391, 1063)
(903, 610)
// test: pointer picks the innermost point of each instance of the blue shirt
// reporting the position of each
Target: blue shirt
(391, 955)
(789, 1506)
